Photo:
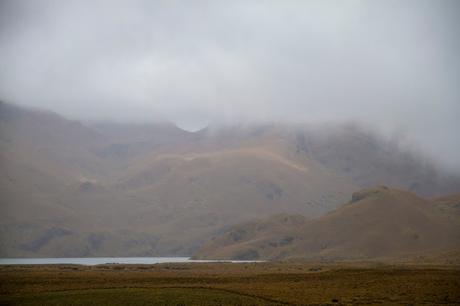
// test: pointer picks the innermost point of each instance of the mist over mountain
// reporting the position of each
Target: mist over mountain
(391, 64)
(117, 189)
(146, 128)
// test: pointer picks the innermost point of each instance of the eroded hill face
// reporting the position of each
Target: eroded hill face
(377, 223)
(109, 189)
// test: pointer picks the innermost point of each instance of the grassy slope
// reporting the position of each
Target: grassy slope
(378, 222)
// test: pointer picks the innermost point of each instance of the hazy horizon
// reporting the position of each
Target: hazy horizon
(391, 65)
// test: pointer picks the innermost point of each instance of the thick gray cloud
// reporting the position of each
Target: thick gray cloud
(390, 63)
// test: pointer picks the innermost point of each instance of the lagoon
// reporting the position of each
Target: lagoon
(92, 261)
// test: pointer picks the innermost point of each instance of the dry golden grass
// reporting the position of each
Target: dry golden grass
(230, 284)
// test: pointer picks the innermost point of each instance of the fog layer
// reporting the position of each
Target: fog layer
(390, 63)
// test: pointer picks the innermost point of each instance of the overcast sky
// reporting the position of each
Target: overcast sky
(394, 64)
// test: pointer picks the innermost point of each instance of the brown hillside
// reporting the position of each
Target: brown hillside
(119, 189)
(377, 223)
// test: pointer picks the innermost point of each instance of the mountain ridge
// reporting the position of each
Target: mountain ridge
(153, 189)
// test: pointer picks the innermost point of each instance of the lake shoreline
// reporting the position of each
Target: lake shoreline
(92, 261)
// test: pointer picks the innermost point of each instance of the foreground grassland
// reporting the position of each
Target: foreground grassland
(229, 284)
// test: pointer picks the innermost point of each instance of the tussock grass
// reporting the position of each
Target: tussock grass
(268, 283)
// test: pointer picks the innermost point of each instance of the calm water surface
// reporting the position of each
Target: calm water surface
(91, 261)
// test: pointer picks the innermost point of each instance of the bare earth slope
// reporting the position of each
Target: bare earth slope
(377, 223)
(98, 189)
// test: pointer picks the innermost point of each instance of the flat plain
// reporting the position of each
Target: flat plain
(269, 283)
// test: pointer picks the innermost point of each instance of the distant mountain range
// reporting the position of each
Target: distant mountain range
(114, 189)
